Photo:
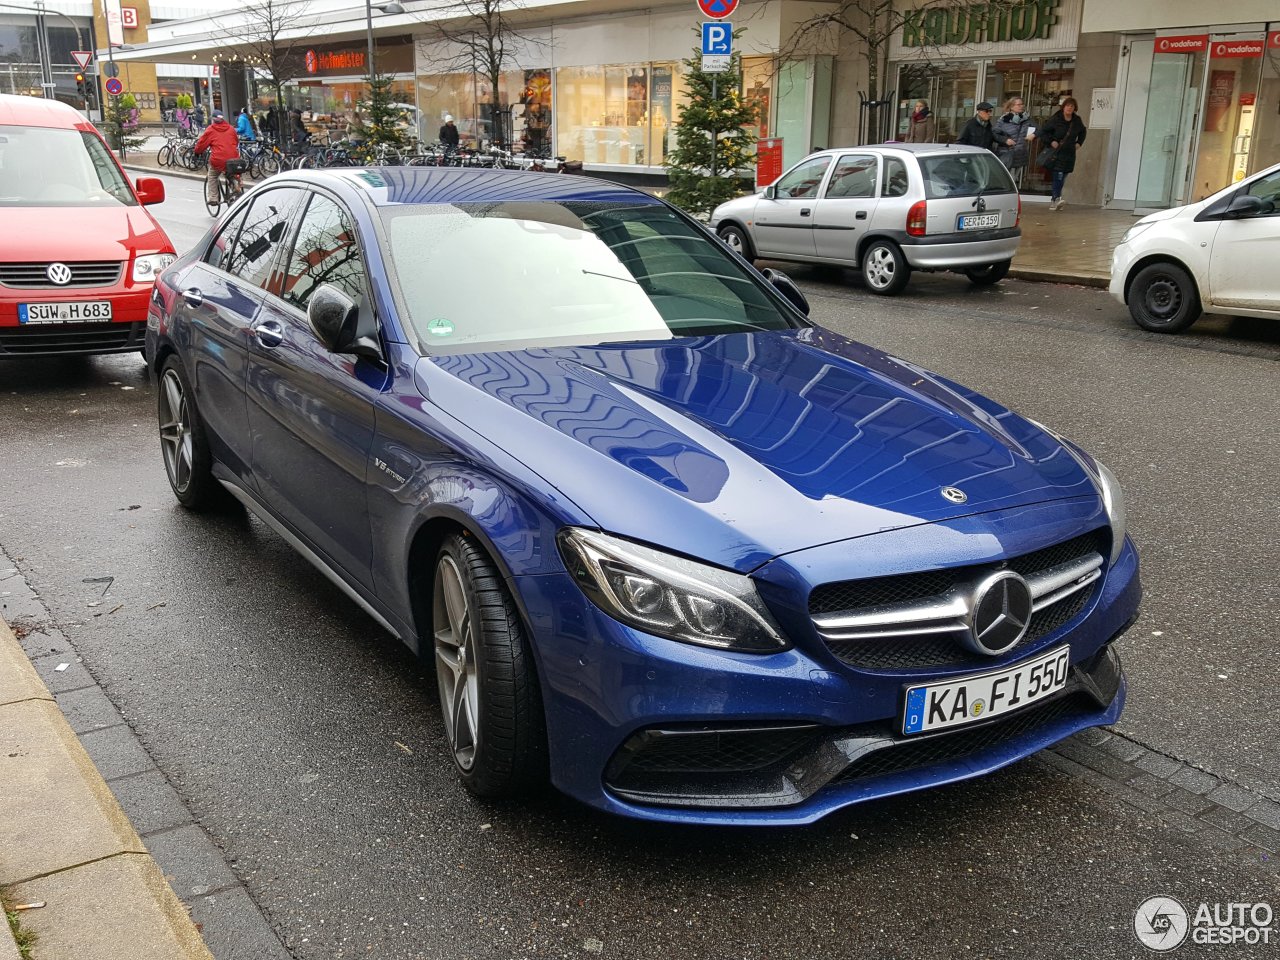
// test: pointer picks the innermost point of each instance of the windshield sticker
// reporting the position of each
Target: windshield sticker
(440, 327)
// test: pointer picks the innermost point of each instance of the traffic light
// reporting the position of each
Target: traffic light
(82, 89)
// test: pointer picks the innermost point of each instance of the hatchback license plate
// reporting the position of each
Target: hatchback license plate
(978, 221)
(937, 706)
(74, 311)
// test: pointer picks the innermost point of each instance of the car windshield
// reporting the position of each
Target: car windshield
(514, 275)
(964, 175)
(48, 167)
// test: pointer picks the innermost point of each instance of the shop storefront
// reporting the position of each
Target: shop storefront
(336, 81)
(953, 58)
(1200, 112)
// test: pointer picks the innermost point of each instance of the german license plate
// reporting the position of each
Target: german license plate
(939, 706)
(75, 311)
(978, 221)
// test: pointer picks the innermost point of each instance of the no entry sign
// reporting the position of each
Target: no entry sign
(717, 9)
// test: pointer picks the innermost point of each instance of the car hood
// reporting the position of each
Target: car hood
(739, 448)
(79, 233)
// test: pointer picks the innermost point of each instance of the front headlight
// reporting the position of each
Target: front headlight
(150, 266)
(669, 596)
(1113, 503)
(1135, 230)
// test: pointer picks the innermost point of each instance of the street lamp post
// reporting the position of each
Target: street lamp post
(393, 7)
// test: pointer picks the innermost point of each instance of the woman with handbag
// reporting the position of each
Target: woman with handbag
(1064, 133)
(1013, 133)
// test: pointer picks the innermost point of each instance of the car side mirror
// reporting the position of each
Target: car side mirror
(787, 287)
(1244, 205)
(341, 325)
(771, 192)
(150, 190)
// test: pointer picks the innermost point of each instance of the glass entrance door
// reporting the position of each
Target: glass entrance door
(1230, 111)
(1173, 105)
(950, 89)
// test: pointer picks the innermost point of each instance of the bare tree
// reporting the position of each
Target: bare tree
(271, 36)
(483, 37)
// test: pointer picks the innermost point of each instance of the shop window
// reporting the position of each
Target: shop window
(621, 114)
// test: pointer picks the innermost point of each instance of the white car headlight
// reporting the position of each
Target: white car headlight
(1135, 230)
(147, 268)
(669, 596)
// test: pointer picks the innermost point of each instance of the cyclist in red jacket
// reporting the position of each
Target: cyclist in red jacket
(221, 138)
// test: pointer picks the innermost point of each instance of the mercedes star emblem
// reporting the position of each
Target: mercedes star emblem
(955, 494)
(1001, 611)
(58, 273)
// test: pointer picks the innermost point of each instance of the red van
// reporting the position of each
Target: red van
(79, 254)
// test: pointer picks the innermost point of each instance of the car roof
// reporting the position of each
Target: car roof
(915, 148)
(18, 111)
(387, 186)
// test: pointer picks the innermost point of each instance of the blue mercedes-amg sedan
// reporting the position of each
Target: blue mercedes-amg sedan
(666, 541)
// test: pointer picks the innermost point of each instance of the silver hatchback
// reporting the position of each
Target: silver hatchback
(886, 210)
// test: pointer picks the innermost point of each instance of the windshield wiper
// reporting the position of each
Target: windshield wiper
(611, 276)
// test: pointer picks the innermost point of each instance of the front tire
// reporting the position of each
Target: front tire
(1163, 298)
(989, 275)
(489, 695)
(736, 239)
(183, 443)
(884, 269)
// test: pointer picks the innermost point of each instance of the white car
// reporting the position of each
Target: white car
(1218, 255)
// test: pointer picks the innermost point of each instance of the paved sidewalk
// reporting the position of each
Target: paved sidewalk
(1071, 245)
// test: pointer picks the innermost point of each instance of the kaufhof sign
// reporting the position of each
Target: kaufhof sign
(953, 25)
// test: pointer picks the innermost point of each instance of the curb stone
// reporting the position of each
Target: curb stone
(108, 889)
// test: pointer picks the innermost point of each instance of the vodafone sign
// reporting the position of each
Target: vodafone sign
(1273, 40)
(1236, 48)
(1190, 43)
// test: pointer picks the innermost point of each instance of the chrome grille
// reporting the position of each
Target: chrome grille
(914, 621)
(85, 273)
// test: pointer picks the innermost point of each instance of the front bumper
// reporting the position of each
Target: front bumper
(1121, 258)
(828, 729)
(126, 331)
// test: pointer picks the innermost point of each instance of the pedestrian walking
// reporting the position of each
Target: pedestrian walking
(298, 131)
(223, 145)
(1013, 133)
(449, 134)
(977, 132)
(199, 116)
(920, 125)
(1064, 132)
(244, 125)
(271, 123)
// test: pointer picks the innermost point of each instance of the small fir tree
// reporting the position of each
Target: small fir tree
(705, 119)
(385, 121)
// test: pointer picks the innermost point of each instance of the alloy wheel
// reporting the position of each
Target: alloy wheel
(880, 268)
(456, 674)
(175, 431)
(734, 241)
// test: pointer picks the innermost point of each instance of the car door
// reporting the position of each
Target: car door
(212, 318)
(784, 215)
(846, 206)
(1242, 267)
(311, 412)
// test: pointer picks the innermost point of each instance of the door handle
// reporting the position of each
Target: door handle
(193, 296)
(805, 211)
(269, 333)
(860, 215)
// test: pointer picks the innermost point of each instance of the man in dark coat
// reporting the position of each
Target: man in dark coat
(977, 132)
(449, 134)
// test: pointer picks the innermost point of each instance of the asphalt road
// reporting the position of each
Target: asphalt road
(309, 745)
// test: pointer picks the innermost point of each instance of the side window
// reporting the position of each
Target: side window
(803, 182)
(219, 252)
(895, 178)
(854, 177)
(1268, 191)
(265, 228)
(327, 251)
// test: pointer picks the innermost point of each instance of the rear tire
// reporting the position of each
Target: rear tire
(489, 694)
(989, 275)
(183, 443)
(884, 269)
(1163, 298)
(736, 239)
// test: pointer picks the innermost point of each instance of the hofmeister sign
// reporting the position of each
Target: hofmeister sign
(979, 23)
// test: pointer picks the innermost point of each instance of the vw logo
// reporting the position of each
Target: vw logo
(955, 494)
(58, 273)
(1000, 613)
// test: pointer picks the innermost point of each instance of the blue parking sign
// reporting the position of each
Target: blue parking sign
(717, 39)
